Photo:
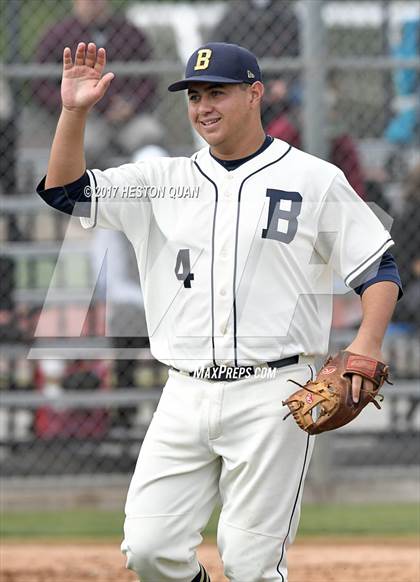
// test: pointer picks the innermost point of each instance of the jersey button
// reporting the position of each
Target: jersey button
(223, 292)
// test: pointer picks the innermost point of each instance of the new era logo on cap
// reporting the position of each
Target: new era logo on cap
(220, 62)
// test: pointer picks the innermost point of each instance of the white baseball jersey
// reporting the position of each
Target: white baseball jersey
(236, 266)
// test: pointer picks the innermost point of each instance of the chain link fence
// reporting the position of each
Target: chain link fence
(342, 81)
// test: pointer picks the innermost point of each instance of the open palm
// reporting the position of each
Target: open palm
(82, 84)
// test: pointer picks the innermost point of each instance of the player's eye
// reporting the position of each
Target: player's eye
(193, 97)
(216, 92)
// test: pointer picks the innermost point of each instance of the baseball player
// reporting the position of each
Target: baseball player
(236, 248)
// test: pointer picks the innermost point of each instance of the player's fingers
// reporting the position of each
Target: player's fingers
(91, 55)
(67, 60)
(356, 384)
(80, 54)
(368, 385)
(100, 60)
(104, 83)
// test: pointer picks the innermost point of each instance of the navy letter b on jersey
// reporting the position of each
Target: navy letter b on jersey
(282, 215)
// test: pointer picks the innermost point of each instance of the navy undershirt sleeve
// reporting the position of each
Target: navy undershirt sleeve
(388, 271)
(72, 198)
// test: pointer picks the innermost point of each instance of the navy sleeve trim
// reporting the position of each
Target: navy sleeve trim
(387, 271)
(73, 198)
(376, 253)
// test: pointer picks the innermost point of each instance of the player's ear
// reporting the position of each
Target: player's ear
(256, 93)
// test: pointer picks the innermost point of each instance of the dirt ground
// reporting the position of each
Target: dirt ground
(309, 561)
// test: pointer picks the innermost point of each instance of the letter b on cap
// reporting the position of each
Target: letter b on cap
(203, 59)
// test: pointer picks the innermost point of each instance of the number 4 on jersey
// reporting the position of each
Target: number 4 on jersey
(183, 262)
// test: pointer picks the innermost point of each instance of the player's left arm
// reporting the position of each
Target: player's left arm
(378, 304)
(358, 252)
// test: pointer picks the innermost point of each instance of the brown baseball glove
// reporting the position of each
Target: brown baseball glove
(326, 403)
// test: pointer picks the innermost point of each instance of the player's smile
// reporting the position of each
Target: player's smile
(209, 127)
(210, 122)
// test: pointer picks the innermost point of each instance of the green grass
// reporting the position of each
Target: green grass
(61, 525)
(366, 520)
(317, 520)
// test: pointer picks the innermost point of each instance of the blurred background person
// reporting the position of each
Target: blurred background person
(122, 122)
(280, 112)
(269, 29)
(403, 127)
(344, 151)
(285, 125)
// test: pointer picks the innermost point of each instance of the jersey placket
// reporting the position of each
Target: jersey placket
(224, 265)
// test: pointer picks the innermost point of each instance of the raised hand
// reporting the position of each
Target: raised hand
(82, 83)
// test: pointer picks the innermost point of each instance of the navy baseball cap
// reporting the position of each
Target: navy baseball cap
(220, 62)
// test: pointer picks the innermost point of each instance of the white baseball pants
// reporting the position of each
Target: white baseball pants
(218, 441)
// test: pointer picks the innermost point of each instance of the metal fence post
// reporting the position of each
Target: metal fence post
(314, 79)
(315, 142)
